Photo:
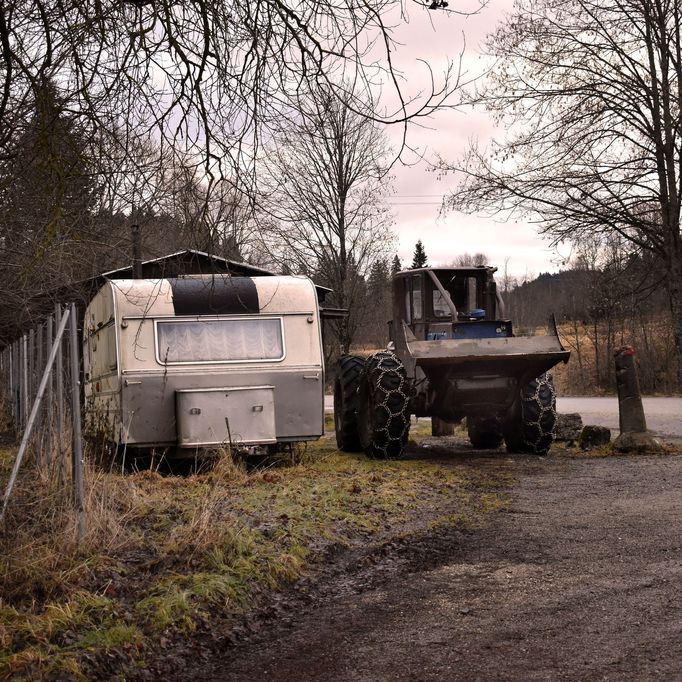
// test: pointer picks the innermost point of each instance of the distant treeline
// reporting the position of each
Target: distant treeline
(598, 310)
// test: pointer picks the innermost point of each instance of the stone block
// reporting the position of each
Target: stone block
(593, 436)
(568, 426)
(638, 442)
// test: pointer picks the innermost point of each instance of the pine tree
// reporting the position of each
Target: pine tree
(419, 260)
(396, 265)
(47, 197)
(48, 183)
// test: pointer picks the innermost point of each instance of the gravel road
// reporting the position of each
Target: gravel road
(579, 579)
(664, 415)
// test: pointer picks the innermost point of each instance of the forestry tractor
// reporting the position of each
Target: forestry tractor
(452, 354)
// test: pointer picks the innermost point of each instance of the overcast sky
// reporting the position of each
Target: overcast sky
(436, 36)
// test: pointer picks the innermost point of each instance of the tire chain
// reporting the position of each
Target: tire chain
(546, 410)
(394, 401)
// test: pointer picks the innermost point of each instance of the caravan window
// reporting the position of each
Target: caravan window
(234, 340)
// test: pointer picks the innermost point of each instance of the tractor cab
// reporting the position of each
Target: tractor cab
(453, 303)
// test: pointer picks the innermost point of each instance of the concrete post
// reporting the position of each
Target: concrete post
(634, 436)
(631, 411)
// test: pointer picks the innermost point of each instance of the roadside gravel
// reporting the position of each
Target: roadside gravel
(578, 579)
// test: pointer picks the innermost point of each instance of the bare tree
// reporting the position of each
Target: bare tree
(207, 77)
(327, 175)
(373, 331)
(175, 206)
(591, 92)
(469, 260)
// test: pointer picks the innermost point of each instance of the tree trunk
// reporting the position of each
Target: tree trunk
(597, 363)
(675, 294)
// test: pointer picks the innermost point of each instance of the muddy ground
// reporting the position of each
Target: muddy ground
(579, 578)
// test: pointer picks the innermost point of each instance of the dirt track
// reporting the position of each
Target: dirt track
(579, 578)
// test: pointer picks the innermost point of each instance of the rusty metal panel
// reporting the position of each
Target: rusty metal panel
(449, 351)
(241, 415)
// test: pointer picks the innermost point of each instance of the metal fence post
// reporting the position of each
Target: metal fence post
(50, 391)
(77, 447)
(38, 365)
(59, 371)
(24, 388)
(11, 378)
(15, 382)
(16, 385)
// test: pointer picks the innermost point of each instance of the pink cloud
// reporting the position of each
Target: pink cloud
(437, 37)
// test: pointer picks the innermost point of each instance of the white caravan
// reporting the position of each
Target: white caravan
(204, 361)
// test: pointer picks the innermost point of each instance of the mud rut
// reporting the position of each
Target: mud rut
(579, 578)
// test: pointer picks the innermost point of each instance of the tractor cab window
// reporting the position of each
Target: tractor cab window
(464, 293)
(414, 302)
(440, 306)
(417, 307)
(458, 292)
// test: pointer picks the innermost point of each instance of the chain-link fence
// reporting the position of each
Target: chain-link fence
(40, 392)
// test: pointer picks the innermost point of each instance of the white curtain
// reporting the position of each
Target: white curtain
(220, 340)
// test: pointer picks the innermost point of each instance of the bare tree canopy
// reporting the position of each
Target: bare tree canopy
(590, 92)
(469, 260)
(327, 183)
(207, 77)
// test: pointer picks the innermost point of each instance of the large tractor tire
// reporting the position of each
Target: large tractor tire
(346, 402)
(485, 431)
(383, 406)
(532, 425)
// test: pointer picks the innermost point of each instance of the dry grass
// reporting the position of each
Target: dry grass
(591, 368)
(39, 548)
(170, 552)
(5, 415)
